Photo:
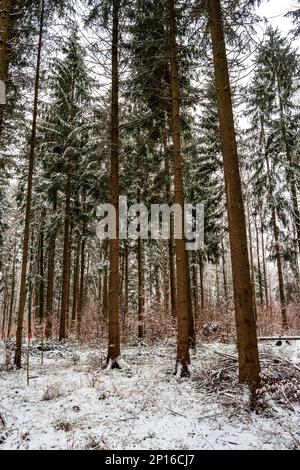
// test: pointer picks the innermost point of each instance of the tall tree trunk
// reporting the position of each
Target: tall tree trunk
(5, 307)
(225, 282)
(41, 269)
(68, 320)
(264, 266)
(122, 276)
(81, 285)
(191, 321)
(195, 289)
(285, 325)
(252, 269)
(105, 287)
(217, 303)
(166, 293)
(22, 295)
(12, 291)
(50, 280)
(114, 348)
(171, 239)
(66, 250)
(75, 284)
(259, 271)
(141, 289)
(30, 289)
(249, 367)
(277, 247)
(126, 289)
(183, 355)
(201, 269)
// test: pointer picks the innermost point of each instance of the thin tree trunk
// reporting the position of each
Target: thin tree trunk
(253, 281)
(201, 268)
(66, 250)
(81, 286)
(68, 322)
(225, 283)
(264, 266)
(195, 289)
(5, 304)
(75, 284)
(41, 270)
(122, 276)
(50, 280)
(191, 321)
(30, 289)
(183, 355)
(249, 367)
(12, 291)
(259, 271)
(217, 303)
(114, 348)
(126, 290)
(166, 293)
(105, 287)
(285, 325)
(171, 239)
(141, 289)
(22, 296)
(277, 248)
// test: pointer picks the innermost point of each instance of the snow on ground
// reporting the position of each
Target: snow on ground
(71, 403)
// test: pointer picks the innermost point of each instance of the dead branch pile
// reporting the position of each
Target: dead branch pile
(280, 382)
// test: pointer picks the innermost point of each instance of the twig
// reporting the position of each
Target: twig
(226, 355)
(175, 413)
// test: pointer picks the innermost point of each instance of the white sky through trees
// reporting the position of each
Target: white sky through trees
(275, 10)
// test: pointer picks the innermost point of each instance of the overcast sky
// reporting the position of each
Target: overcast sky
(274, 11)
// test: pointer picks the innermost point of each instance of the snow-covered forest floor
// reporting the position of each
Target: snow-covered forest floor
(72, 403)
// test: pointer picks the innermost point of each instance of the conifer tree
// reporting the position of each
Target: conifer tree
(249, 368)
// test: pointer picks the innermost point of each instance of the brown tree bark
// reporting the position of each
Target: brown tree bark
(75, 284)
(264, 266)
(249, 367)
(191, 320)
(81, 285)
(277, 244)
(259, 270)
(66, 250)
(252, 269)
(4, 315)
(166, 285)
(114, 348)
(202, 294)
(41, 269)
(183, 355)
(22, 296)
(30, 289)
(225, 282)
(50, 280)
(68, 319)
(285, 325)
(172, 280)
(105, 286)
(126, 288)
(12, 291)
(141, 289)
(195, 290)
